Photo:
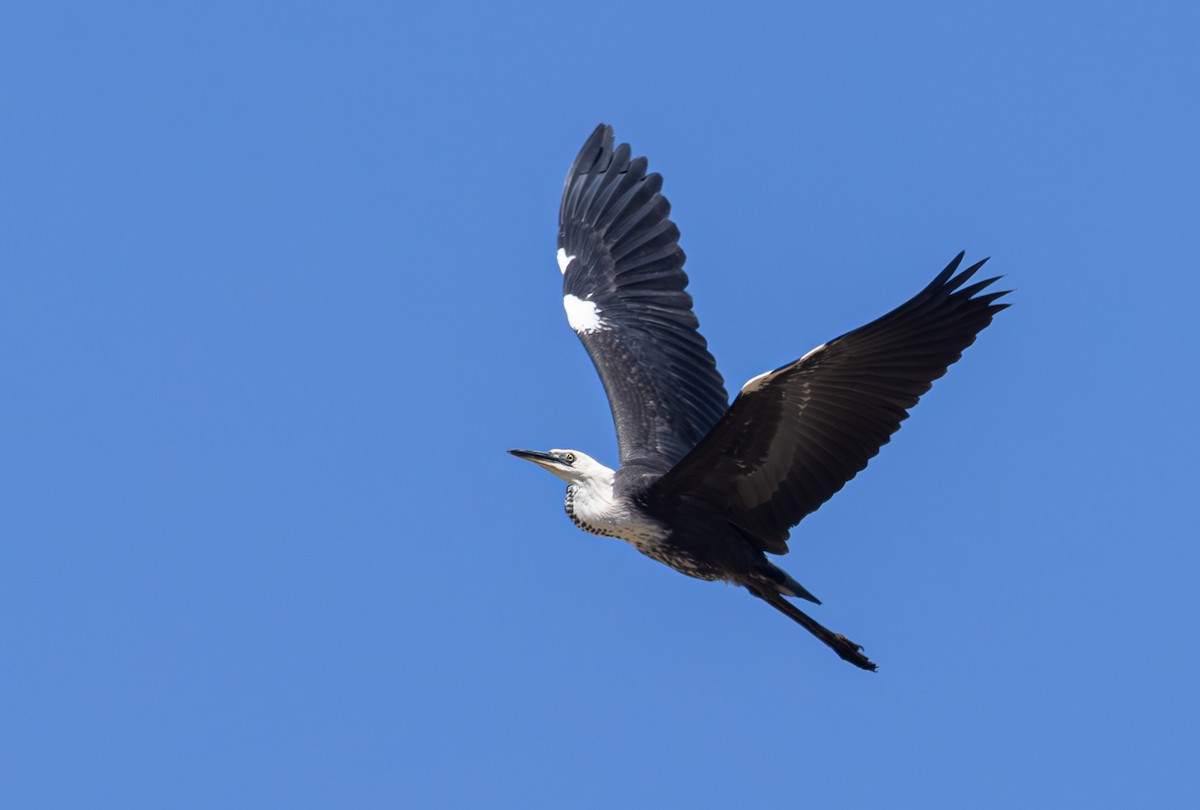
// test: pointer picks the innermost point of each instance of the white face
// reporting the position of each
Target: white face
(577, 467)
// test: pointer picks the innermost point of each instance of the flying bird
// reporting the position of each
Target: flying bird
(706, 487)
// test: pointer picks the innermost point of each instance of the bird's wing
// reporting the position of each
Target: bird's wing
(623, 289)
(794, 436)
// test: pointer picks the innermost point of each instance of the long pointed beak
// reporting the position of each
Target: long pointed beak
(536, 456)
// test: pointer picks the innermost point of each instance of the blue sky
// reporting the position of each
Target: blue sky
(277, 289)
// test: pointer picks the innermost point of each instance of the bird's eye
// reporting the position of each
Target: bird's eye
(569, 458)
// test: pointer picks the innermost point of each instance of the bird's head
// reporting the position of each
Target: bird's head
(572, 466)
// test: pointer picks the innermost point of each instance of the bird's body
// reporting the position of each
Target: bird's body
(667, 538)
(679, 535)
(706, 487)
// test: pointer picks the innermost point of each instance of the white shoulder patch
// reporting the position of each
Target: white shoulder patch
(563, 261)
(809, 354)
(755, 383)
(583, 315)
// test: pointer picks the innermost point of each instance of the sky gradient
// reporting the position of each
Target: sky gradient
(278, 288)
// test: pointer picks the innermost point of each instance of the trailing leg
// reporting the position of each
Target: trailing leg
(846, 649)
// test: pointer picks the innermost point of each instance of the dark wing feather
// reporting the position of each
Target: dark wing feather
(625, 264)
(796, 435)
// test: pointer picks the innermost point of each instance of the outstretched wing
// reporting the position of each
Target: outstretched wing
(623, 289)
(794, 436)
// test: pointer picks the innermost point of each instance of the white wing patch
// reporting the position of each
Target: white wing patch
(563, 261)
(583, 316)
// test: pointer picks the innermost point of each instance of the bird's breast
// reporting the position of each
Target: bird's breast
(646, 534)
(608, 518)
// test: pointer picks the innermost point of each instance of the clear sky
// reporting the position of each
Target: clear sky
(278, 288)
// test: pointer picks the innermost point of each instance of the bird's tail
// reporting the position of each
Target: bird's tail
(846, 649)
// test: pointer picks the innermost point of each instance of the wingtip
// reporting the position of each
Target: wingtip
(596, 151)
(950, 279)
(975, 267)
(598, 144)
(603, 135)
(945, 275)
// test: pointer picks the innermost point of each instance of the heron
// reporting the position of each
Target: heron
(707, 487)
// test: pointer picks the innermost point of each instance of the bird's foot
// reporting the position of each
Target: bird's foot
(847, 650)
